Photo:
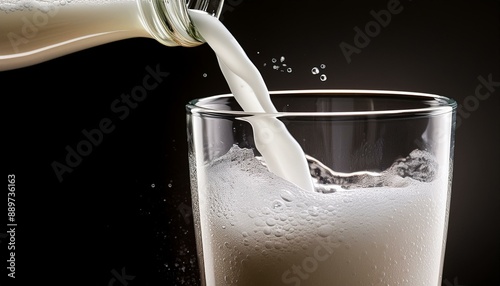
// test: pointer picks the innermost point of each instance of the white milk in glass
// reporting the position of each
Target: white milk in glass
(262, 230)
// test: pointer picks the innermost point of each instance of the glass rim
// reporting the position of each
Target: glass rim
(443, 104)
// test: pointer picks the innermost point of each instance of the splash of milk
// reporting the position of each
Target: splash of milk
(283, 155)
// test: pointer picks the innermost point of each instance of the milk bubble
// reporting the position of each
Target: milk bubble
(287, 196)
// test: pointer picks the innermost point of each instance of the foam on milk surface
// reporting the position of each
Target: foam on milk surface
(377, 235)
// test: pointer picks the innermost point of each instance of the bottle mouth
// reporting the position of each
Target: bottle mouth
(212, 7)
(170, 23)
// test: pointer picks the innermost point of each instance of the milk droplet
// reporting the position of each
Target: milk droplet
(314, 211)
(325, 230)
(322, 66)
(323, 77)
(270, 221)
(277, 206)
(268, 244)
(282, 59)
(279, 233)
(286, 196)
(315, 70)
(252, 213)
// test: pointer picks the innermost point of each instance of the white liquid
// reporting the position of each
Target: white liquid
(262, 230)
(284, 157)
(35, 31)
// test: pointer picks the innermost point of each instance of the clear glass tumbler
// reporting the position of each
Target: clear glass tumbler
(381, 163)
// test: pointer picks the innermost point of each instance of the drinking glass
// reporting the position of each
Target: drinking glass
(380, 161)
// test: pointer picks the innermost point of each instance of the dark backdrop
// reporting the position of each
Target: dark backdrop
(124, 210)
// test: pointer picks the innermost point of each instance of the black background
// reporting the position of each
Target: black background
(126, 207)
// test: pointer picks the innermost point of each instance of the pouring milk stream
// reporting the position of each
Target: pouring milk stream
(39, 30)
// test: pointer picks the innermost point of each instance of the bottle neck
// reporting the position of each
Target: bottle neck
(169, 23)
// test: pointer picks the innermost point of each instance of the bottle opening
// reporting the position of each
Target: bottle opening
(212, 7)
(169, 22)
